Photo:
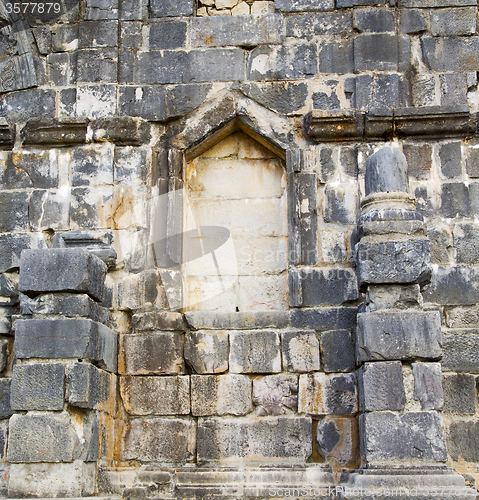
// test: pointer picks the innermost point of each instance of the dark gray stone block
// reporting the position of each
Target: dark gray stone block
(97, 65)
(306, 187)
(386, 170)
(5, 388)
(182, 99)
(453, 88)
(62, 69)
(336, 438)
(28, 104)
(337, 351)
(341, 205)
(97, 34)
(376, 52)
(463, 441)
(435, 3)
(303, 5)
(459, 393)
(41, 438)
(327, 167)
(38, 387)
(393, 297)
(13, 211)
(168, 35)
(453, 22)
(66, 338)
(325, 318)
(374, 20)
(402, 436)
(62, 270)
(453, 286)
(8, 285)
(399, 335)
(148, 102)
(463, 53)
(123, 131)
(254, 352)
(90, 387)
(328, 286)
(450, 157)
(207, 351)
(164, 8)
(259, 438)
(305, 27)
(13, 244)
(210, 320)
(466, 243)
(461, 352)
(412, 21)
(353, 3)
(336, 57)
(428, 385)
(23, 170)
(131, 35)
(162, 320)
(459, 200)
(472, 161)
(381, 386)
(243, 31)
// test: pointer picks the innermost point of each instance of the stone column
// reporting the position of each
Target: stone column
(63, 386)
(403, 445)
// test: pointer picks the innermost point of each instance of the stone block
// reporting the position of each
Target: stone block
(381, 386)
(453, 22)
(341, 205)
(163, 320)
(285, 439)
(462, 317)
(461, 352)
(336, 56)
(403, 261)
(244, 31)
(13, 211)
(4, 351)
(207, 351)
(156, 353)
(275, 394)
(168, 35)
(402, 436)
(399, 335)
(428, 385)
(42, 437)
(123, 131)
(459, 393)
(303, 5)
(324, 318)
(337, 439)
(254, 352)
(66, 338)
(164, 8)
(337, 351)
(8, 285)
(466, 243)
(308, 26)
(441, 238)
(450, 159)
(62, 270)
(131, 35)
(97, 34)
(386, 170)
(435, 3)
(300, 351)
(463, 441)
(156, 395)
(472, 161)
(221, 395)
(166, 440)
(182, 99)
(463, 53)
(92, 388)
(49, 209)
(373, 20)
(376, 52)
(453, 88)
(393, 297)
(453, 286)
(38, 387)
(419, 158)
(322, 394)
(92, 165)
(292, 62)
(5, 389)
(97, 65)
(99, 9)
(353, 3)
(459, 200)
(328, 286)
(140, 291)
(28, 104)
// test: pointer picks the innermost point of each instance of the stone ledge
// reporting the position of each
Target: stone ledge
(205, 320)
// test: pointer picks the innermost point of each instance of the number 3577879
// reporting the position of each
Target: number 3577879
(33, 7)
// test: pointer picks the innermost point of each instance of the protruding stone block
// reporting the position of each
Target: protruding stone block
(156, 353)
(38, 387)
(156, 395)
(337, 439)
(286, 439)
(62, 270)
(221, 395)
(337, 351)
(386, 170)
(399, 335)
(428, 385)
(275, 394)
(381, 386)
(300, 351)
(207, 351)
(66, 338)
(321, 394)
(402, 436)
(170, 440)
(42, 437)
(255, 352)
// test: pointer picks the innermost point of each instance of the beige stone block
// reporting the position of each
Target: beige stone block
(242, 9)
(228, 147)
(249, 148)
(129, 207)
(156, 395)
(215, 12)
(225, 4)
(262, 7)
(207, 351)
(300, 351)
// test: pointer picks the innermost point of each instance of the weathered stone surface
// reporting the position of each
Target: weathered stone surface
(303, 5)
(156, 353)
(386, 170)
(207, 351)
(123, 131)
(337, 439)
(5, 408)
(275, 394)
(13, 211)
(459, 393)
(254, 352)
(466, 238)
(286, 439)
(461, 352)
(336, 57)
(50, 438)
(373, 20)
(25, 105)
(381, 386)
(463, 53)
(66, 338)
(163, 8)
(59, 132)
(453, 286)
(393, 297)
(405, 261)
(453, 22)
(163, 320)
(376, 52)
(462, 317)
(399, 335)
(206, 320)
(322, 394)
(4, 351)
(337, 351)
(450, 159)
(307, 26)
(463, 442)
(170, 440)
(62, 270)
(8, 285)
(428, 385)
(167, 35)
(325, 318)
(402, 436)
(300, 351)
(38, 387)
(459, 200)
(221, 395)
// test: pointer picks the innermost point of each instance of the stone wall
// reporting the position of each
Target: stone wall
(115, 377)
